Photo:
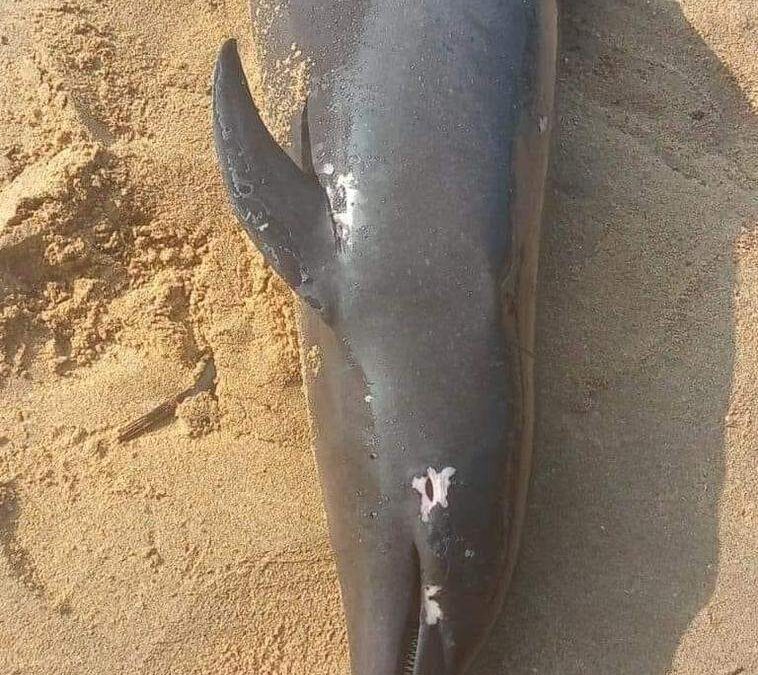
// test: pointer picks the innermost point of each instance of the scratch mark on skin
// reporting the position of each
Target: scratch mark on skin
(343, 197)
(433, 489)
(432, 610)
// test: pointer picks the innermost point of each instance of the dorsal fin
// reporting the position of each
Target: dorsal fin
(283, 209)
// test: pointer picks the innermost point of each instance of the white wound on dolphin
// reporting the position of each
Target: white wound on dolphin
(432, 610)
(343, 198)
(433, 489)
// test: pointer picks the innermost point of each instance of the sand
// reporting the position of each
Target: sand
(200, 546)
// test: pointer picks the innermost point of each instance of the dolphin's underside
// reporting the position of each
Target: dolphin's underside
(408, 224)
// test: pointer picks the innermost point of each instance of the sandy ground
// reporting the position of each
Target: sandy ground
(200, 546)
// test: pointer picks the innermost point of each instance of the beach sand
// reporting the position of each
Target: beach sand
(200, 546)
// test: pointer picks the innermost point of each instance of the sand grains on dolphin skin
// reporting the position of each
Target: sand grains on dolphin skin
(432, 610)
(433, 488)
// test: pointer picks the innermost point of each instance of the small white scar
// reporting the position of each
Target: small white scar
(469, 553)
(368, 398)
(432, 610)
(433, 489)
(343, 197)
(543, 123)
(328, 169)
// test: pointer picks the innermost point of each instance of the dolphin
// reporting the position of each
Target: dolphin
(406, 220)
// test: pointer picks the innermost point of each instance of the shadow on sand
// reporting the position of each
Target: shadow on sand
(635, 342)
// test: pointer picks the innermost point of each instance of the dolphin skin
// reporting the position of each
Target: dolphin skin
(407, 221)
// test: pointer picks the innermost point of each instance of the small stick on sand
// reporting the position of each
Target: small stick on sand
(206, 380)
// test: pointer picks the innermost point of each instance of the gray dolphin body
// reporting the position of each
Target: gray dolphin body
(408, 225)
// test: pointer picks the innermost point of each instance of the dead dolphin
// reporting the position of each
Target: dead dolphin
(408, 224)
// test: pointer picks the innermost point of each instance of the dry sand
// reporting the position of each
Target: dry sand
(200, 546)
